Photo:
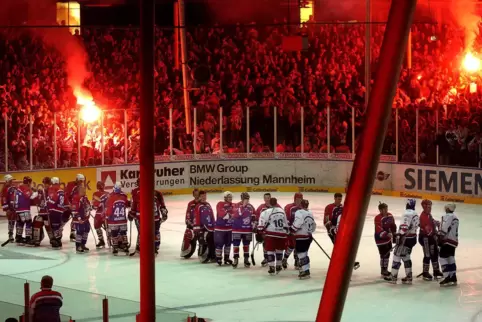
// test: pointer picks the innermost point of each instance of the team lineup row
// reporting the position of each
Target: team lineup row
(282, 231)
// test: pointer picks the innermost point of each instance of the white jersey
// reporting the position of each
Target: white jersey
(449, 229)
(409, 224)
(273, 223)
(304, 224)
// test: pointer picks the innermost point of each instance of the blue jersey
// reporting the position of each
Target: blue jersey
(224, 216)
(21, 198)
(203, 217)
(242, 219)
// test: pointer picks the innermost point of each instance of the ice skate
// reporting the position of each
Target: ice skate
(391, 279)
(271, 270)
(278, 269)
(356, 265)
(10, 238)
(284, 263)
(156, 251)
(454, 279)
(115, 252)
(297, 263)
(219, 261)
(264, 263)
(29, 242)
(235, 262)
(304, 275)
(438, 274)
(227, 261)
(408, 279)
(85, 249)
(19, 240)
(80, 250)
(385, 273)
(449, 281)
(427, 277)
(101, 244)
(247, 263)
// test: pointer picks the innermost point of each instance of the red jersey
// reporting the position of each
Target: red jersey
(329, 214)
(71, 189)
(384, 225)
(6, 192)
(115, 208)
(158, 204)
(56, 198)
(98, 201)
(190, 212)
(427, 225)
(80, 209)
(135, 201)
(290, 210)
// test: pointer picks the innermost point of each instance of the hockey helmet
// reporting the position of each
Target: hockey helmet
(46, 180)
(100, 185)
(228, 194)
(304, 204)
(298, 195)
(117, 187)
(411, 204)
(80, 177)
(27, 180)
(244, 196)
(450, 207)
(55, 180)
(8, 178)
(382, 205)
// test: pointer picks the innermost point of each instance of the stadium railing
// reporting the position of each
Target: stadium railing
(82, 306)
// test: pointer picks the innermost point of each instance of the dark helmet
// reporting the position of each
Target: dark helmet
(382, 205)
(46, 180)
(100, 185)
(138, 182)
(244, 196)
(27, 180)
(304, 204)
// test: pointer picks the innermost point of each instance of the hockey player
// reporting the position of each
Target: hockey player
(203, 228)
(428, 240)
(160, 216)
(188, 246)
(405, 240)
(115, 212)
(42, 219)
(80, 206)
(274, 226)
(56, 207)
(327, 221)
(303, 227)
(290, 210)
(385, 228)
(135, 211)
(7, 207)
(335, 226)
(98, 201)
(259, 210)
(449, 240)
(22, 198)
(223, 229)
(243, 229)
(70, 191)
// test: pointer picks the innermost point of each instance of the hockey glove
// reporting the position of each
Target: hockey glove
(164, 214)
(259, 238)
(131, 215)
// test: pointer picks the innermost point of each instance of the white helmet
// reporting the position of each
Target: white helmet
(450, 207)
(80, 177)
(117, 187)
(228, 194)
(8, 178)
(55, 180)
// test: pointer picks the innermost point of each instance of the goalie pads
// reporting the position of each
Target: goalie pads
(188, 246)
(38, 233)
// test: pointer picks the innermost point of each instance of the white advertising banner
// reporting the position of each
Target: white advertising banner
(437, 180)
(225, 173)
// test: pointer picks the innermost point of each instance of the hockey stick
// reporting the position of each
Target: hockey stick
(130, 234)
(255, 247)
(5, 243)
(322, 249)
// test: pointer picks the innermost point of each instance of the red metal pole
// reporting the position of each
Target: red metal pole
(366, 161)
(147, 265)
(26, 298)
(105, 310)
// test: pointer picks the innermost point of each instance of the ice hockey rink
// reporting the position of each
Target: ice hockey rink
(224, 294)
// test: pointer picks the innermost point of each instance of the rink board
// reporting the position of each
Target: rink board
(284, 175)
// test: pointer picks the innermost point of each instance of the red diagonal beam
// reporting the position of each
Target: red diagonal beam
(366, 161)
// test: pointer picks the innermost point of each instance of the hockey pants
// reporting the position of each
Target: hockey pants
(81, 233)
(447, 260)
(401, 253)
(384, 251)
(274, 250)
(246, 239)
(99, 224)
(430, 252)
(302, 247)
(24, 220)
(222, 239)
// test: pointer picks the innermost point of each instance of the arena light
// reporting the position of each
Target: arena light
(471, 63)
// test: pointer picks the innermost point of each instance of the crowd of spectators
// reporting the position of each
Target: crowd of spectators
(248, 69)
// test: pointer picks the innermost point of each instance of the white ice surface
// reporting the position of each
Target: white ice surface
(228, 295)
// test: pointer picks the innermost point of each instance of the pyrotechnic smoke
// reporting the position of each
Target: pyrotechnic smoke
(464, 12)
